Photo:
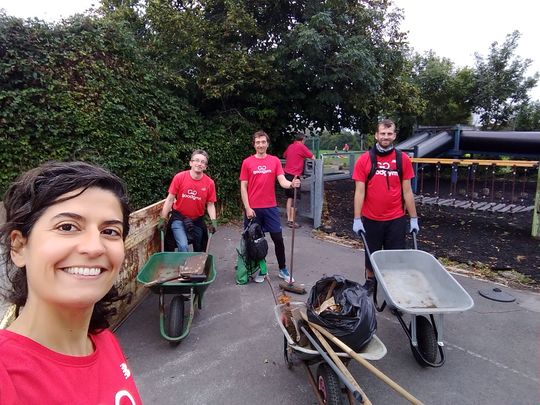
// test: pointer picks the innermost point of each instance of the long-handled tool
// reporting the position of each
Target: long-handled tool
(345, 380)
(358, 393)
(187, 272)
(374, 370)
(289, 285)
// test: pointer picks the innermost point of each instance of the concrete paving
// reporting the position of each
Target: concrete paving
(234, 353)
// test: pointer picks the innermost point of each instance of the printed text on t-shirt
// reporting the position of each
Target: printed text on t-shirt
(262, 170)
(385, 169)
(191, 194)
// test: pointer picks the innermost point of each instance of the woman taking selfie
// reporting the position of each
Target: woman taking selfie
(63, 246)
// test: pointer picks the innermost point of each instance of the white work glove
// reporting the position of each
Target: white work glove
(414, 225)
(358, 226)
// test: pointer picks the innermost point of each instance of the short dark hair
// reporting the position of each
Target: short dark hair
(31, 194)
(260, 133)
(387, 123)
(200, 152)
(298, 136)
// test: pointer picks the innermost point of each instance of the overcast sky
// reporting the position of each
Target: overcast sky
(455, 29)
(48, 10)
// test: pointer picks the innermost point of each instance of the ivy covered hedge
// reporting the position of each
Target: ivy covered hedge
(83, 89)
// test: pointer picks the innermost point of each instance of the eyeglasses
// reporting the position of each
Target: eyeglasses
(202, 162)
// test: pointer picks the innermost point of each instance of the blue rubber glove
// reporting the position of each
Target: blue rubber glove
(414, 225)
(358, 226)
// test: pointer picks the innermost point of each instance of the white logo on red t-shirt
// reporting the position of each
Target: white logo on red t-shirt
(123, 394)
(262, 170)
(386, 171)
(191, 194)
(125, 370)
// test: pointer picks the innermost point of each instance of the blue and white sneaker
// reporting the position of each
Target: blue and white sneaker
(284, 274)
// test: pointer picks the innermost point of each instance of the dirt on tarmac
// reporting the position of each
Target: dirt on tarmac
(491, 242)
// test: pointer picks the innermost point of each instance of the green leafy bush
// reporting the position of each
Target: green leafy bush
(84, 89)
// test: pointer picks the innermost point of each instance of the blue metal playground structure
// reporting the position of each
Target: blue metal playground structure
(465, 168)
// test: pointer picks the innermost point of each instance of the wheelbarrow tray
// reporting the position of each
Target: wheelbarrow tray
(373, 350)
(161, 264)
(414, 282)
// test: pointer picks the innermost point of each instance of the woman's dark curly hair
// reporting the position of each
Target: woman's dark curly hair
(30, 195)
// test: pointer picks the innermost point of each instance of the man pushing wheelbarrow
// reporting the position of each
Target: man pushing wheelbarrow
(382, 193)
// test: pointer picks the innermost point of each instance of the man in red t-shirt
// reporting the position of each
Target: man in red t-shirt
(257, 179)
(294, 155)
(190, 193)
(378, 207)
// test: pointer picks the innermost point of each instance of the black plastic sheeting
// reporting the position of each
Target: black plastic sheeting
(354, 321)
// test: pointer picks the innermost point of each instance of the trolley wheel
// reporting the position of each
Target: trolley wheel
(176, 318)
(329, 385)
(427, 341)
(286, 357)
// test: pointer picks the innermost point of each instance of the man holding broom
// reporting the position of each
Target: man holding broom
(294, 155)
(257, 179)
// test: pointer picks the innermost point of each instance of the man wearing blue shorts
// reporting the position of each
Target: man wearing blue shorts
(257, 179)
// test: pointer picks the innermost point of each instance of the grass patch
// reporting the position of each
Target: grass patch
(483, 270)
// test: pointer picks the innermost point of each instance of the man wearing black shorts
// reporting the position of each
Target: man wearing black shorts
(294, 156)
(380, 202)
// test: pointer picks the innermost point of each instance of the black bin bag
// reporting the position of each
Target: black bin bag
(355, 322)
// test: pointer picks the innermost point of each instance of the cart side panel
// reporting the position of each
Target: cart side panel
(415, 282)
(169, 262)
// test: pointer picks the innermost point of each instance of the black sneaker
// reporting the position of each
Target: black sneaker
(369, 285)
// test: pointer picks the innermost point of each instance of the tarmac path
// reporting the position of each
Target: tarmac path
(234, 353)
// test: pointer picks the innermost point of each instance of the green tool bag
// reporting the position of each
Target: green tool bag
(246, 267)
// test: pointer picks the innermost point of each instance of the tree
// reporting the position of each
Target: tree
(343, 62)
(528, 117)
(501, 86)
(447, 91)
(299, 63)
(83, 90)
(330, 140)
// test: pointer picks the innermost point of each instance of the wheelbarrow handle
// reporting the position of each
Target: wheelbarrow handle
(329, 361)
(210, 235)
(414, 239)
(162, 240)
(362, 234)
(371, 368)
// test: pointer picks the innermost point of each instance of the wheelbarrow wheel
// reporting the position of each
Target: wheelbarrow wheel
(427, 342)
(176, 318)
(328, 385)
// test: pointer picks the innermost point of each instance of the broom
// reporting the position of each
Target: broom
(284, 285)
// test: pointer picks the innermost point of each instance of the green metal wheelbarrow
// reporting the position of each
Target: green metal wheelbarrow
(165, 273)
